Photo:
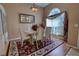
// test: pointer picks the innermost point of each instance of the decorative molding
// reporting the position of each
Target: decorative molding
(78, 40)
(15, 38)
(73, 46)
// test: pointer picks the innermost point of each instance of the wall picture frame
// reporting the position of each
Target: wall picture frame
(26, 18)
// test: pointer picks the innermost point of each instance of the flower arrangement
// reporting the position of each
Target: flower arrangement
(34, 27)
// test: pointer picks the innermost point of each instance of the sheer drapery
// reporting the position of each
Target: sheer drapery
(57, 24)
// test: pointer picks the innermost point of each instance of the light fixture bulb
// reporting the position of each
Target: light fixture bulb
(34, 8)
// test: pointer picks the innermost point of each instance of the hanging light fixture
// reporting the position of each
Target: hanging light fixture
(34, 8)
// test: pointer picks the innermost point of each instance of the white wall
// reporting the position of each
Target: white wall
(13, 11)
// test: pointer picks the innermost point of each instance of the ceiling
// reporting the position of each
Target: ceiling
(42, 4)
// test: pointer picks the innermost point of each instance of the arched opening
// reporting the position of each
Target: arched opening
(58, 22)
(3, 32)
(54, 11)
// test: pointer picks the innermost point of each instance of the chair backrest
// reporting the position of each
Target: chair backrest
(47, 32)
(23, 31)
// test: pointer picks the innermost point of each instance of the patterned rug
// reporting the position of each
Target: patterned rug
(26, 48)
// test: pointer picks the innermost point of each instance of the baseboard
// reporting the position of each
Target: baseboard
(14, 38)
(18, 38)
(73, 46)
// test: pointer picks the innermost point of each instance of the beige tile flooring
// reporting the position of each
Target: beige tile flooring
(60, 51)
(64, 50)
(73, 52)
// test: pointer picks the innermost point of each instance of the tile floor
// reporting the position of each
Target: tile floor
(64, 50)
(73, 52)
(60, 51)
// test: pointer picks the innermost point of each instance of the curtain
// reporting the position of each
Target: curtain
(52, 17)
(66, 26)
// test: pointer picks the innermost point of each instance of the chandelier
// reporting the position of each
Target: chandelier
(34, 8)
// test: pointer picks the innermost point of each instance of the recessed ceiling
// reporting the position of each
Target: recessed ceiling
(42, 4)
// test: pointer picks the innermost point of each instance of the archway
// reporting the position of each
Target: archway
(3, 32)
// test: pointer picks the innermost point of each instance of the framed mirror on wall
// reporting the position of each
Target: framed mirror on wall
(26, 18)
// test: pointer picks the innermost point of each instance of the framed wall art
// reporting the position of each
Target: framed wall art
(26, 18)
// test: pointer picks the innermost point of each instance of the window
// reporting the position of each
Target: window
(54, 11)
(57, 24)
